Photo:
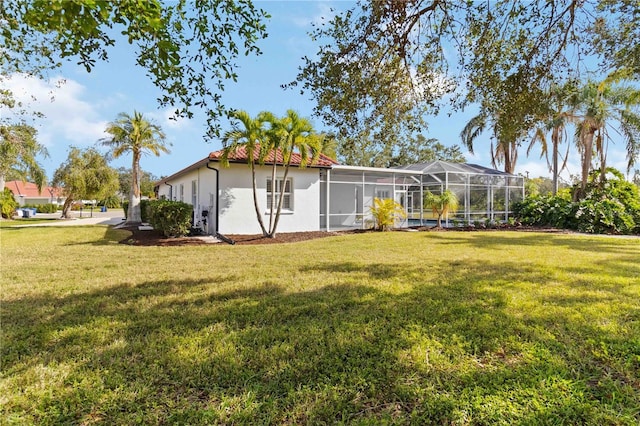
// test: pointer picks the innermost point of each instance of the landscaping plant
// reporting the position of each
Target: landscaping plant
(8, 204)
(442, 204)
(609, 206)
(385, 212)
(172, 218)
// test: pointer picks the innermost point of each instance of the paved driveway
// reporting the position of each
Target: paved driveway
(111, 217)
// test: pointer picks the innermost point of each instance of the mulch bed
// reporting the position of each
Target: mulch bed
(155, 238)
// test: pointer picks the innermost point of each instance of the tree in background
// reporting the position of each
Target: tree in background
(419, 149)
(188, 49)
(600, 104)
(561, 111)
(442, 204)
(409, 149)
(541, 186)
(147, 182)
(18, 151)
(138, 136)
(502, 151)
(85, 175)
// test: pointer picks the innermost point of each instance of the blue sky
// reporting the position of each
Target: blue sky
(78, 110)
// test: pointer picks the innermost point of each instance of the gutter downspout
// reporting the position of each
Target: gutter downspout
(218, 234)
(170, 190)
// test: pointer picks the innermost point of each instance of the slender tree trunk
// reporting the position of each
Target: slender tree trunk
(510, 158)
(587, 153)
(272, 234)
(555, 141)
(133, 213)
(2, 182)
(273, 198)
(603, 156)
(255, 199)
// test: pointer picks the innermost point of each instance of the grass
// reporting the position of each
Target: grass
(395, 328)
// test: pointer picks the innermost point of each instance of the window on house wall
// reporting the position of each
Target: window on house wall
(383, 193)
(182, 192)
(287, 200)
(194, 193)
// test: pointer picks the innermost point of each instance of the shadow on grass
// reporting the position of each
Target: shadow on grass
(452, 348)
(596, 243)
(111, 235)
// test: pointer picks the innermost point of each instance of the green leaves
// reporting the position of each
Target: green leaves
(385, 212)
(85, 175)
(270, 139)
(172, 218)
(441, 204)
(18, 151)
(188, 49)
(609, 206)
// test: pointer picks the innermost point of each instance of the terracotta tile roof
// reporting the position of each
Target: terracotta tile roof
(30, 190)
(240, 155)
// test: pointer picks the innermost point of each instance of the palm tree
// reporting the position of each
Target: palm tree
(442, 204)
(18, 151)
(290, 135)
(385, 212)
(139, 136)
(561, 112)
(504, 151)
(602, 103)
(250, 134)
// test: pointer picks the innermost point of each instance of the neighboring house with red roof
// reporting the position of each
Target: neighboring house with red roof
(329, 196)
(28, 193)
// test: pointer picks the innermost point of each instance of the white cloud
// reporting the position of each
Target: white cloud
(67, 115)
(167, 119)
(324, 13)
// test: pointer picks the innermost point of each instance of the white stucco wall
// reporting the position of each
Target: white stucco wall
(236, 208)
(237, 212)
(204, 194)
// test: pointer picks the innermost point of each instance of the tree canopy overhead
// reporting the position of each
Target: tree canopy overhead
(384, 65)
(188, 49)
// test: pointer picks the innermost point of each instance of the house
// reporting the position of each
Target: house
(330, 196)
(27, 193)
(223, 196)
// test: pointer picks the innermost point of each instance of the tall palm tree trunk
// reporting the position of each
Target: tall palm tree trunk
(134, 216)
(255, 199)
(555, 141)
(272, 231)
(587, 154)
(272, 207)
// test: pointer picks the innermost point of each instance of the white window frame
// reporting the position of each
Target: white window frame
(194, 193)
(288, 195)
(383, 194)
(182, 192)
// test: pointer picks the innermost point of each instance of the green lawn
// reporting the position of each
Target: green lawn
(399, 327)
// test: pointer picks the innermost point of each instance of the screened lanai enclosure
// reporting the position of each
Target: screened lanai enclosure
(484, 194)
